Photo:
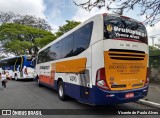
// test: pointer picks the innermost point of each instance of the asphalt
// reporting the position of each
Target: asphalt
(153, 97)
(153, 93)
(27, 95)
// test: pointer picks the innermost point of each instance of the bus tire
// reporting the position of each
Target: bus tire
(39, 84)
(61, 93)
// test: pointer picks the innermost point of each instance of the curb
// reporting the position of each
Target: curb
(149, 103)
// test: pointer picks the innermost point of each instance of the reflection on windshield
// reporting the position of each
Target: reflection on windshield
(117, 27)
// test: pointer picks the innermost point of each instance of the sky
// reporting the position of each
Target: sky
(56, 12)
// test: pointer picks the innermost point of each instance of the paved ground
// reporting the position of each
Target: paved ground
(27, 95)
(153, 93)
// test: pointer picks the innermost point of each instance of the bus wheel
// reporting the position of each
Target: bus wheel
(39, 84)
(61, 93)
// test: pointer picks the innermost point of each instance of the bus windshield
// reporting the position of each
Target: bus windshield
(119, 27)
(11, 61)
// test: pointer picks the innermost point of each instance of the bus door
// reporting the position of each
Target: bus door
(18, 67)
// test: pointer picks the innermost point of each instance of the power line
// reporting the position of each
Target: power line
(154, 35)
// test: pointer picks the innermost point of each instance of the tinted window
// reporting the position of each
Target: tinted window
(67, 46)
(11, 61)
(42, 57)
(82, 38)
(58, 50)
(47, 52)
(45, 55)
(39, 60)
(118, 27)
(52, 53)
(71, 45)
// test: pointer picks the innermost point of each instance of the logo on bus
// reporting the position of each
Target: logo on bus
(109, 28)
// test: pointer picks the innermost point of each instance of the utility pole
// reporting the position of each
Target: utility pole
(152, 40)
(153, 37)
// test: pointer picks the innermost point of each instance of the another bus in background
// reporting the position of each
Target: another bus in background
(19, 67)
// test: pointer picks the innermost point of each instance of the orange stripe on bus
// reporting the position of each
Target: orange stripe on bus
(70, 66)
(46, 79)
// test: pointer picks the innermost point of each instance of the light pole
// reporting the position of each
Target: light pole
(152, 40)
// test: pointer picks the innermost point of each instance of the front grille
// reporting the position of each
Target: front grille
(122, 54)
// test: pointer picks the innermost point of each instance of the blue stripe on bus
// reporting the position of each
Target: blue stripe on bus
(100, 96)
(97, 96)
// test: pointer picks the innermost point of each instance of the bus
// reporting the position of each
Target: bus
(102, 61)
(18, 67)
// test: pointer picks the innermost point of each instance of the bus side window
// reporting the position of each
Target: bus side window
(58, 50)
(67, 46)
(82, 38)
(41, 57)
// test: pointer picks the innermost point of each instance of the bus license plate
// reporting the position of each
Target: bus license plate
(129, 95)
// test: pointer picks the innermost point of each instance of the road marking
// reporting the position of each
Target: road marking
(149, 103)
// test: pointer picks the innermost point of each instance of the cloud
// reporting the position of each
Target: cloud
(32, 7)
(55, 13)
(153, 31)
(29, 7)
(82, 15)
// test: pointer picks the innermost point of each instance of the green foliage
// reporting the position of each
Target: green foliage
(16, 38)
(41, 42)
(13, 36)
(153, 51)
(17, 47)
(154, 57)
(67, 27)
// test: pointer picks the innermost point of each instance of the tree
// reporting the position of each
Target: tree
(16, 38)
(6, 17)
(28, 20)
(67, 27)
(17, 47)
(41, 42)
(154, 55)
(153, 51)
(149, 8)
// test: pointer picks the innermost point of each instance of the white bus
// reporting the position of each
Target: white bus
(102, 61)
(18, 67)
